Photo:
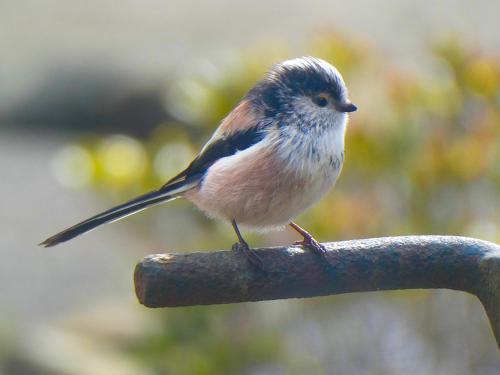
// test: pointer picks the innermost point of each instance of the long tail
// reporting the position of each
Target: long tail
(140, 203)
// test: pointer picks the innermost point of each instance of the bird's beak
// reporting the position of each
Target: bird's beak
(345, 107)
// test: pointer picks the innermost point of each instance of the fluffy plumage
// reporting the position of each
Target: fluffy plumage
(272, 157)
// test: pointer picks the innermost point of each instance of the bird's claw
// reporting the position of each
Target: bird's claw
(313, 245)
(251, 255)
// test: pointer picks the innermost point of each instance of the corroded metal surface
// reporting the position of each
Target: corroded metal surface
(411, 262)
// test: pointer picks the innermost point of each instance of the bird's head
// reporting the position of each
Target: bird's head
(305, 91)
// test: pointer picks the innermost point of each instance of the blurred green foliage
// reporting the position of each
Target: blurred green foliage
(422, 156)
(192, 341)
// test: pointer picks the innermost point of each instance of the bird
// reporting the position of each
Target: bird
(272, 157)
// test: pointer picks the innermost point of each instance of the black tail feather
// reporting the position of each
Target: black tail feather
(135, 205)
(110, 215)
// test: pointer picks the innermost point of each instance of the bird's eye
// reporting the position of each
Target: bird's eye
(320, 100)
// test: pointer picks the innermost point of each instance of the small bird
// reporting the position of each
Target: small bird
(274, 155)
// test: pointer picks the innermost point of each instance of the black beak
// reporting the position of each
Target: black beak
(346, 107)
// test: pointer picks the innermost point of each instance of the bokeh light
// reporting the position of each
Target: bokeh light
(122, 159)
(73, 166)
(170, 159)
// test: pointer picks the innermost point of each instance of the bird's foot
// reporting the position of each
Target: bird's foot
(251, 255)
(310, 243)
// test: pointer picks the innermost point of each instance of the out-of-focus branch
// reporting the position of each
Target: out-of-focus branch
(459, 263)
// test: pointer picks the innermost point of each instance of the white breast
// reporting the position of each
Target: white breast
(318, 151)
(316, 158)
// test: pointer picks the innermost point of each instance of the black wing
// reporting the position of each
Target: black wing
(225, 146)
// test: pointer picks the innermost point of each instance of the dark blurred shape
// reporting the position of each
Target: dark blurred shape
(21, 366)
(93, 99)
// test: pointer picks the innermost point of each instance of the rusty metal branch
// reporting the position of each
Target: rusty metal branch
(459, 263)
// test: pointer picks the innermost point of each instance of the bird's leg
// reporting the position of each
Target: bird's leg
(309, 242)
(242, 245)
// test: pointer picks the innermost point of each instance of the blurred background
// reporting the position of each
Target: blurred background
(102, 100)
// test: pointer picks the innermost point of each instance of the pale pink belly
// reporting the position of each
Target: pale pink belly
(257, 191)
